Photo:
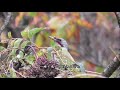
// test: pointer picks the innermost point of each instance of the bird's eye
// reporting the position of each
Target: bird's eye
(59, 40)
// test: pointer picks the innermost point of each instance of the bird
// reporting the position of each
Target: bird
(65, 55)
(60, 41)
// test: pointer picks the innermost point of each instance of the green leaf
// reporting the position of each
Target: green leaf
(17, 42)
(9, 35)
(52, 43)
(16, 45)
(11, 44)
(34, 31)
(29, 33)
(25, 43)
(3, 75)
(99, 69)
(32, 14)
(12, 74)
(1, 48)
(25, 32)
(30, 59)
(20, 55)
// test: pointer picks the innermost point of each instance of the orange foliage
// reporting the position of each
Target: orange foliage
(84, 23)
(18, 18)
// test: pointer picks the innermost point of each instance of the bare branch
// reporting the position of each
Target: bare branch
(112, 67)
(6, 22)
(118, 17)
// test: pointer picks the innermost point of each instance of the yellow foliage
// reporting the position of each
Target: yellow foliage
(39, 40)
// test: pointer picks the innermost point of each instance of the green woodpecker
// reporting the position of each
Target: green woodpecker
(65, 55)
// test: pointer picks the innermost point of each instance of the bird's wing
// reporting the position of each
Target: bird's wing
(67, 55)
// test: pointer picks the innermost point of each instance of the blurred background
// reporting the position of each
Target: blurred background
(89, 34)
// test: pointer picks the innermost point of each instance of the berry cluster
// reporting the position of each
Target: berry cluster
(44, 68)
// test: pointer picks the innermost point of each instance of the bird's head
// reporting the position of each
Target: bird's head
(60, 41)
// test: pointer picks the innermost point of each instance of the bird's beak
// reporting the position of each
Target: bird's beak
(53, 38)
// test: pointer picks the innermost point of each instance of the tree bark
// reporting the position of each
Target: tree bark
(112, 67)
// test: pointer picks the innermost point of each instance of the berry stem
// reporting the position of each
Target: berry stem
(36, 57)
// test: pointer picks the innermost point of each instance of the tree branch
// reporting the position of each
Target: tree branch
(112, 67)
(117, 14)
(6, 22)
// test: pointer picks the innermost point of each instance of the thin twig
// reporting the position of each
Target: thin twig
(114, 53)
(87, 76)
(91, 72)
(117, 14)
(36, 56)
